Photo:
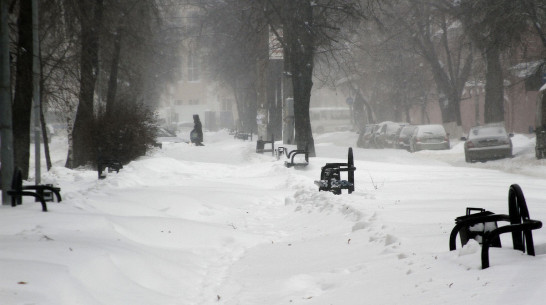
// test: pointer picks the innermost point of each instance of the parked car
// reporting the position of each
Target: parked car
(429, 137)
(165, 135)
(404, 137)
(487, 142)
(365, 138)
(385, 136)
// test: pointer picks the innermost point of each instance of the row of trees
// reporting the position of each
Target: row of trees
(103, 66)
(389, 51)
(415, 43)
(459, 41)
(236, 36)
(100, 58)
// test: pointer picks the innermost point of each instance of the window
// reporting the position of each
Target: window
(193, 67)
(193, 102)
(179, 102)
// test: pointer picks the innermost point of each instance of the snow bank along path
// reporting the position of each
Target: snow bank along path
(221, 224)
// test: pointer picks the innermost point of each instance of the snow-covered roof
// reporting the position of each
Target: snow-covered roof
(526, 69)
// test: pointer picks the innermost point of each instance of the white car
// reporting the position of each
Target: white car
(487, 143)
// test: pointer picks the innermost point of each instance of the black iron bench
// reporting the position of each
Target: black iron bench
(291, 156)
(484, 226)
(260, 146)
(41, 193)
(281, 151)
(330, 176)
(111, 164)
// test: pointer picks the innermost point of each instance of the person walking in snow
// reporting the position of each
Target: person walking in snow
(196, 135)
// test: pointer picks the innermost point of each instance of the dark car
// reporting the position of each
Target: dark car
(365, 138)
(385, 136)
(165, 135)
(404, 137)
(487, 142)
(429, 137)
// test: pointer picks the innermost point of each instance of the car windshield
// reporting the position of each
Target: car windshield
(483, 132)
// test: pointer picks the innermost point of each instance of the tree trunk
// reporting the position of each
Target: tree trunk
(113, 79)
(274, 97)
(300, 46)
(245, 98)
(70, 140)
(449, 98)
(494, 87)
(22, 101)
(45, 137)
(6, 149)
(83, 133)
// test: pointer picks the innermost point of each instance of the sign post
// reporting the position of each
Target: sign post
(288, 121)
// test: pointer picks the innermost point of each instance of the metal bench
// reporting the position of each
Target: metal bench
(111, 164)
(291, 156)
(520, 225)
(330, 176)
(260, 146)
(281, 151)
(41, 193)
(242, 135)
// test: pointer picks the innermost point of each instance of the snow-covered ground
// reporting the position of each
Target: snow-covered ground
(221, 224)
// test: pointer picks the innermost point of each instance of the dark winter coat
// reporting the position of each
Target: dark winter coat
(196, 135)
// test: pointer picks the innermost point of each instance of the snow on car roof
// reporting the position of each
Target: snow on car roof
(434, 129)
(487, 131)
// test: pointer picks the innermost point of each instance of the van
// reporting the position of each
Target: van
(330, 119)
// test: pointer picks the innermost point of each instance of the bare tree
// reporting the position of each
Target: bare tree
(493, 26)
(90, 16)
(231, 37)
(439, 40)
(436, 37)
(388, 72)
(308, 28)
(536, 12)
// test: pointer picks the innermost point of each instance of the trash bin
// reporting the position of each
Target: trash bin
(478, 230)
(260, 145)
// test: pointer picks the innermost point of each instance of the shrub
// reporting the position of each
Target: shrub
(126, 133)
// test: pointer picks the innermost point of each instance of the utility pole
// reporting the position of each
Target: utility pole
(36, 90)
(262, 118)
(6, 135)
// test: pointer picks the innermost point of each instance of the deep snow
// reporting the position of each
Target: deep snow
(221, 224)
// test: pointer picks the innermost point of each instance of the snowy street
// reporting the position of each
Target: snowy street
(220, 224)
